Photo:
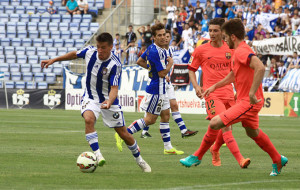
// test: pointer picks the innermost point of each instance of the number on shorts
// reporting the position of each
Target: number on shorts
(159, 105)
(85, 104)
(210, 104)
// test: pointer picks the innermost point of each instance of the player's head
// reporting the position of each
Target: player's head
(168, 38)
(159, 34)
(234, 31)
(104, 45)
(214, 29)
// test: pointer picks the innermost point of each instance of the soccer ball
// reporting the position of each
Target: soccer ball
(87, 162)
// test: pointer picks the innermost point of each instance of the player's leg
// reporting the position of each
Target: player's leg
(145, 132)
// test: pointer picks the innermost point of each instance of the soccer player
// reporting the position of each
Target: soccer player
(156, 103)
(247, 72)
(214, 58)
(100, 95)
(173, 103)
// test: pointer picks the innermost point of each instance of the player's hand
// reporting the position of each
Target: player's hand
(46, 63)
(209, 90)
(253, 99)
(167, 78)
(105, 105)
(170, 60)
(199, 92)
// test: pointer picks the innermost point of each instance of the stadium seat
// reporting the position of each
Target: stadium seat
(58, 42)
(14, 18)
(24, 18)
(56, 18)
(30, 51)
(36, 3)
(53, 26)
(57, 3)
(2, 34)
(66, 18)
(43, 26)
(34, 60)
(91, 3)
(74, 26)
(9, 50)
(25, 68)
(45, 18)
(58, 69)
(48, 43)
(32, 26)
(63, 26)
(22, 34)
(6, 76)
(35, 18)
(69, 43)
(44, 34)
(50, 78)
(79, 43)
(100, 4)
(20, 50)
(15, 76)
(11, 33)
(2, 26)
(72, 49)
(36, 68)
(9, 9)
(26, 42)
(1, 50)
(26, 2)
(55, 34)
(33, 34)
(41, 51)
(21, 26)
(20, 9)
(20, 85)
(52, 51)
(13, 67)
(5, 42)
(39, 77)
(42, 10)
(76, 35)
(5, 2)
(21, 59)
(44, 57)
(2, 59)
(62, 10)
(61, 51)
(1, 9)
(4, 17)
(27, 76)
(10, 84)
(87, 18)
(15, 3)
(42, 85)
(30, 85)
(49, 69)
(65, 35)
(84, 26)
(10, 58)
(30, 9)
(38, 42)
(11, 25)
(94, 27)
(16, 42)
(4, 67)
(45, 3)
(76, 19)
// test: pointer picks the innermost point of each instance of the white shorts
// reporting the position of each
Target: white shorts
(155, 103)
(170, 91)
(112, 117)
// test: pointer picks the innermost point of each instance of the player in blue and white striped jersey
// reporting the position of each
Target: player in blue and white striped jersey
(100, 96)
(157, 102)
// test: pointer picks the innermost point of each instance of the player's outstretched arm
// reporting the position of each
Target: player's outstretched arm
(259, 72)
(111, 97)
(69, 56)
(163, 73)
(141, 62)
(198, 89)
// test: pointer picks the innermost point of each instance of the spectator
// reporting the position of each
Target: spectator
(180, 24)
(141, 31)
(117, 40)
(72, 7)
(83, 7)
(284, 4)
(63, 2)
(132, 51)
(295, 21)
(50, 9)
(190, 14)
(183, 14)
(229, 13)
(176, 17)
(198, 12)
(239, 7)
(281, 69)
(264, 7)
(260, 30)
(148, 36)
(240, 16)
(176, 37)
(294, 62)
(171, 13)
(219, 9)
(209, 10)
(273, 69)
(143, 49)
(294, 7)
(165, 23)
(204, 23)
(130, 37)
(174, 46)
(118, 51)
(186, 35)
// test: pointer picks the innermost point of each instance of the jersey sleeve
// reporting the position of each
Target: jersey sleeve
(144, 55)
(157, 57)
(243, 56)
(195, 61)
(115, 75)
(81, 53)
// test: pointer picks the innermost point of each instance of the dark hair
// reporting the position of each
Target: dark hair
(217, 21)
(175, 29)
(105, 37)
(236, 27)
(130, 26)
(169, 32)
(117, 34)
(156, 27)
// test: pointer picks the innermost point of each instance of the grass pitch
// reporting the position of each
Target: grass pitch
(39, 149)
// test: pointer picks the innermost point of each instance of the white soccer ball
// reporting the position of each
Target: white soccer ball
(87, 162)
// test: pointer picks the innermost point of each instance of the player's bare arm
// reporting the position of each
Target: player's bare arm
(259, 71)
(141, 62)
(198, 88)
(111, 97)
(227, 80)
(163, 73)
(69, 56)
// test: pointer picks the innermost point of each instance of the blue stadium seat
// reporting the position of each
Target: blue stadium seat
(48, 43)
(11, 25)
(45, 18)
(24, 18)
(2, 26)
(58, 42)
(41, 51)
(9, 50)
(35, 18)
(94, 27)
(20, 85)
(61, 51)
(50, 78)
(5, 2)
(69, 43)
(4, 67)
(72, 49)
(49, 69)
(57, 3)
(62, 10)
(20, 9)
(1, 9)
(10, 58)
(14, 17)
(33, 34)
(91, 3)
(42, 85)
(76, 19)
(2, 34)
(52, 51)
(25, 68)
(15, 3)
(66, 18)
(55, 34)
(44, 34)
(43, 26)
(99, 4)
(87, 18)
(10, 84)
(57, 69)
(65, 35)
(9, 9)
(26, 42)
(2, 59)
(37, 42)
(36, 68)
(30, 9)
(22, 34)
(21, 59)
(56, 18)
(31, 85)
(6, 76)
(5, 42)
(41, 10)
(13, 67)
(36, 3)
(79, 43)
(86, 35)
(32, 26)
(30, 51)
(63, 26)
(21, 26)
(33, 60)
(20, 50)
(84, 26)
(16, 42)
(39, 77)
(26, 2)
(44, 57)
(1, 50)
(76, 35)
(45, 3)
(11, 33)
(4, 17)
(74, 26)
(53, 26)
(15, 76)
(93, 10)
(27, 76)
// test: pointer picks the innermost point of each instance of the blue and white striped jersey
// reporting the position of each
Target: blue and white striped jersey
(156, 58)
(100, 75)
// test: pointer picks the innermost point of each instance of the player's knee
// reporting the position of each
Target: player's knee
(215, 124)
(149, 121)
(174, 107)
(89, 120)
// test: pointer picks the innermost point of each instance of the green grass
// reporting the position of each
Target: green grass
(39, 149)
